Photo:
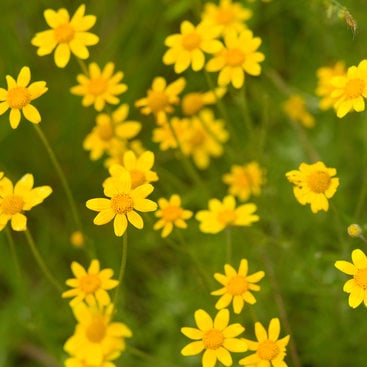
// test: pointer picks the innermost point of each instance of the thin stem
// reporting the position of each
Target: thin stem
(229, 245)
(13, 252)
(122, 268)
(83, 66)
(247, 119)
(143, 355)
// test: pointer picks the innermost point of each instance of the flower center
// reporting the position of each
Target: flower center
(237, 285)
(12, 204)
(97, 86)
(157, 101)
(213, 339)
(171, 213)
(18, 97)
(224, 16)
(360, 278)
(122, 203)
(192, 103)
(197, 138)
(226, 216)
(105, 131)
(89, 283)
(96, 330)
(354, 88)
(235, 57)
(191, 41)
(64, 33)
(318, 181)
(267, 350)
(137, 178)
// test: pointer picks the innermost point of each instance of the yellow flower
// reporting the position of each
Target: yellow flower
(14, 200)
(111, 132)
(237, 286)
(122, 204)
(239, 56)
(357, 286)
(188, 47)
(269, 349)
(216, 338)
(161, 98)
(116, 155)
(90, 285)
(354, 230)
(77, 239)
(296, 109)
(171, 214)
(99, 86)
(77, 362)
(66, 35)
(350, 90)
(230, 16)
(164, 135)
(245, 180)
(225, 214)
(314, 184)
(96, 339)
(18, 97)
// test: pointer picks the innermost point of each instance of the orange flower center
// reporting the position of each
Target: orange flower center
(226, 216)
(192, 103)
(237, 285)
(235, 57)
(137, 178)
(89, 283)
(318, 181)
(197, 138)
(97, 86)
(360, 278)
(105, 131)
(18, 97)
(213, 339)
(157, 101)
(191, 41)
(267, 350)
(12, 204)
(354, 88)
(224, 16)
(64, 33)
(122, 203)
(96, 330)
(171, 213)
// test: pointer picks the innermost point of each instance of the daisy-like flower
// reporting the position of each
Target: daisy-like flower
(90, 285)
(357, 286)
(15, 199)
(66, 35)
(237, 286)
(18, 97)
(111, 132)
(314, 184)
(239, 56)
(164, 136)
(171, 215)
(122, 203)
(225, 214)
(350, 90)
(296, 109)
(188, 47)
(269, 349)
(229, 15)
(96, 338)
(245, 180)
(215, 337)
(161, 98)
(99, 86)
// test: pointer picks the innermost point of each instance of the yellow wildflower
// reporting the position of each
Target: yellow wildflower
(77, 239)
(164, 136)
(77, 362)
(296, 109)
(354, 230)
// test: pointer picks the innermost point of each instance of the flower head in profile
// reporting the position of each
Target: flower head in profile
(99, 86)
(296, 109)
(161, 98)
(90, 285)
(269, 349)
(225, 214)
(171, 214)
(18, 97)
(245, 180)
(188, 47)
(18, 198)
(66, 35)
(217, 338)
(237, 58)
(237, 286)
(314, 184)
(357, 286)
(122, 204)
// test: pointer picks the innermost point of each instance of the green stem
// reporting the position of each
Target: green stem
(13, 252)
(229, 245)
(122, 268)
(83, 66)
(153, 360)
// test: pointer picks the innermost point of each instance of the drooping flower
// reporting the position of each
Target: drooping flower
(122, 204)
(18, 97)
(90, 285)
(18, 198)
(215, 337)
(357, 286)
(296, 109)
(314, 184)
(237, 286)
(225, 214)
(188, 47)
(269, 349)
(66, 35)
(99, 86)
(171, 215)
(238, 57)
